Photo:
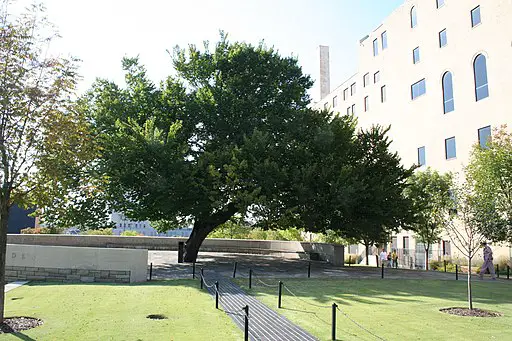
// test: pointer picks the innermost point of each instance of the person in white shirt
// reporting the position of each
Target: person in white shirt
(383, 257)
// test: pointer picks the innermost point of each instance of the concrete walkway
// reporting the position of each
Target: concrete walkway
(14, 285)
(264, 323)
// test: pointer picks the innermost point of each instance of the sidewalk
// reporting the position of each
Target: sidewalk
(264, 323)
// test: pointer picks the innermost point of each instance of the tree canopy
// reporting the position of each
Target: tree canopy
(490, 170)
(432, 199)
(233, 133)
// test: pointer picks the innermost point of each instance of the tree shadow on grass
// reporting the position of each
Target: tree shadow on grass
(378, 292)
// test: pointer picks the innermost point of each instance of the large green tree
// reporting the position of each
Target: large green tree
(232, 133)
(42, 135)
(212, 141)
(432, 201)
(490, 170)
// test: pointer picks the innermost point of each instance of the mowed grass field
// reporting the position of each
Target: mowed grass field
(392, 309)
(118, 312)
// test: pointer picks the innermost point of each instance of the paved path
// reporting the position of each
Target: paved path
(165, 266)
(264, 323)
(14, 285)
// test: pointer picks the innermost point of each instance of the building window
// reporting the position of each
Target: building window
(480, 73)
(484, 135)
(384, 40)
(450, 148)
(345, 94)
(443, 39)
(326, 105)
(421, 156)
(414, 19)
(418, 89)
(440, 3)
(353, 109)
(405, 241)
(335, 101)
(449, 104)
(475, 16)
(353, 89)
(366, 104)
(348, 111)
(375, 48)
(383, 94)
(366, 80)
(376, 77)
(416, 55)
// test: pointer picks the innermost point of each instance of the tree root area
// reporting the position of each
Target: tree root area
(470, 312)
(17, 324)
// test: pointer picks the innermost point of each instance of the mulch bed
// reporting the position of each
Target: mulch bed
(17, 324)
(468, 312)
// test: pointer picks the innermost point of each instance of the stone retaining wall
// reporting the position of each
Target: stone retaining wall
(288, 249)
(78, 264)
(29, 273)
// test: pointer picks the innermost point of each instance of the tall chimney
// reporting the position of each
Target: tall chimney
(325, 79)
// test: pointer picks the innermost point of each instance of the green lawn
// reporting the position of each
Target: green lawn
(118, 312)
(393, 309)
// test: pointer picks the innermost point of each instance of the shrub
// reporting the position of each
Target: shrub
(99, 232)
(351, 258)
(130, 234)
(36, 230)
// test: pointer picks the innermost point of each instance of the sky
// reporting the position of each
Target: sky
(102, 32)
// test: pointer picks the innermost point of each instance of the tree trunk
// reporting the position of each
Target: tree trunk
(470, 293)
(366, 247)
(201, 230)
(4, 217)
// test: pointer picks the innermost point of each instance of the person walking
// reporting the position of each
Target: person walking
(394, 258)
(488, 265)
(383, 257)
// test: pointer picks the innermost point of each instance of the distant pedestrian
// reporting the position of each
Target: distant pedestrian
(394, 258)
(383, 257)
(390, 262)
(488, 265)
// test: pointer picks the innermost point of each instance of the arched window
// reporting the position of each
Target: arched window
(449, 104)
(414, 19)
(480, 72)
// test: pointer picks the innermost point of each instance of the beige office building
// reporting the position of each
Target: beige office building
(440, 73)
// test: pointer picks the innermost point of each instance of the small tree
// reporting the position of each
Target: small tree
(42, 133)
(429, 192)
(466, 225)
(378, 206)
(490, 169)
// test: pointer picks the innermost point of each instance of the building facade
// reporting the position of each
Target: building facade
(439, 72)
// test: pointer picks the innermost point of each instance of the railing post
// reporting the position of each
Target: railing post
(456, 272)
(498, 270)
(349, 260)
(508, 272)
(250, 278)
(334, 306)
(202, 277)
(382, 270)
(377, 260)
(150, 271)
(445, 265)
(309, 270)
(246, 324)
(216, 294)
(234, 270)
(279, 293)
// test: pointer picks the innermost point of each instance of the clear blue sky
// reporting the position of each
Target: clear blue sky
(101, 32)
